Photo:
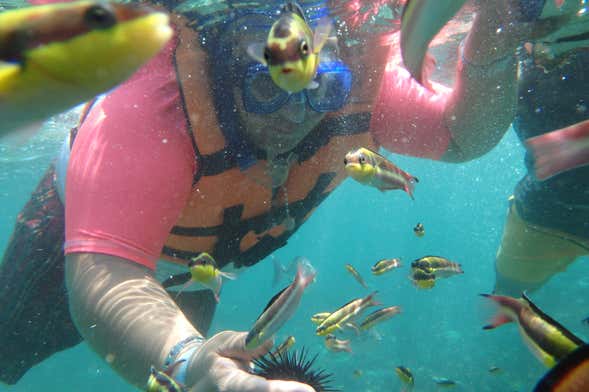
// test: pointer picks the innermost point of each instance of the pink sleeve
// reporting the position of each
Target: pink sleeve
(409, 119)
(131, 168)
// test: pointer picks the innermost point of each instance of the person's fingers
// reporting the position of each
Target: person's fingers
(232, 345)
(236, 380)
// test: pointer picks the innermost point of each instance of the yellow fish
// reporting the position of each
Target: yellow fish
(55, 56)
(347, 312)
(370, 168)
(548, 340)
(291, 51)
(203, 270)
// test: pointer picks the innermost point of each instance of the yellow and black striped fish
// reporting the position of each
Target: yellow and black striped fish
(548, 340)
(55, 56)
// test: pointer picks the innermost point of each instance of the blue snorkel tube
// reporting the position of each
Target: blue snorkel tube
(222, 70)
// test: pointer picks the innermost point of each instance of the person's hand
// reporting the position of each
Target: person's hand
(222, 364)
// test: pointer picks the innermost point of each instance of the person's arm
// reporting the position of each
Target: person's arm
(465, 122)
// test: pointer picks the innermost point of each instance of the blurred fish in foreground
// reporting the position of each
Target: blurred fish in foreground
(561, 150)
(571, 374)
(421, 21)
(55, 56)
(547, 339)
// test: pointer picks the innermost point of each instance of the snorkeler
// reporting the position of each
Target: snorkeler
(201, 151)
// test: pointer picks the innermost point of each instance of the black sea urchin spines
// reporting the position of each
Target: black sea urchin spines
(294, 366)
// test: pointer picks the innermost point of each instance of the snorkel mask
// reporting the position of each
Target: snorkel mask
(234, 67)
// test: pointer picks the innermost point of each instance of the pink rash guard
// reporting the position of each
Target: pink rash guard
(131, 168)
(137, 139)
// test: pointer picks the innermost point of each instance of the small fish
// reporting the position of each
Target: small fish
(559, 151)
(419, 230)
(281, 307)
(385, 265)
(379, 316)
(494, 369)
(159, 381)
(291, 51)
(345, 313)
(422, 279)
(440, 266)
(318, 318)
(56, 56)
(547, 339)
(358, 373)
(203, 270)
(370, 168)
(288, 343)
(585, 321)
(356, 275)
(405, 376)
(337, 345)
(444, 382)
(571, 373)
(420, 22)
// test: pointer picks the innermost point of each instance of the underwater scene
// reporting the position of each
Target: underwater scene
(402, 279)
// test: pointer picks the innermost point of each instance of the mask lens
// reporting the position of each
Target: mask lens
(260, 93)
(335, 83)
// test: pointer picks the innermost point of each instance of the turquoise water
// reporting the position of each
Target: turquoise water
(439, 332)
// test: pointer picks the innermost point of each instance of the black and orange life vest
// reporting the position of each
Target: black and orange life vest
(229, 214)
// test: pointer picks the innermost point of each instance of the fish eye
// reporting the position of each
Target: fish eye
(304, 48)
(99, 17)
(345, 161)
(362, 159)
(267, 55)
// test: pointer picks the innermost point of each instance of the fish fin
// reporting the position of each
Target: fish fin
(256, 51)
(321, 34)
(497, 321)
(184, 287)
(217, 298)
(295, 8)
(409, 187)
(279, 271)
(228, 275)
(312, 85)
(561, 150)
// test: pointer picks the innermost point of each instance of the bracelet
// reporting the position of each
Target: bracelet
(182, 360)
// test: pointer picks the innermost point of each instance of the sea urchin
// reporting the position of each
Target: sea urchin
(294, 367)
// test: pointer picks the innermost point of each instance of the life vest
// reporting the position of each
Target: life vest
(229, 214)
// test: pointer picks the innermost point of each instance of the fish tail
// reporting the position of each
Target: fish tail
(346, 346)
(561, 150)
(410, 182)
(499, 318)
(305, 274)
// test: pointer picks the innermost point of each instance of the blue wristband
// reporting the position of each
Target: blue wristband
(181, 361)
